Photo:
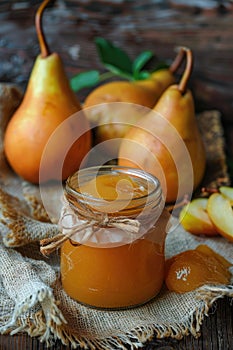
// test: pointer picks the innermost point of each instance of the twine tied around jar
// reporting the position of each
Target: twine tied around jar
(87, 225)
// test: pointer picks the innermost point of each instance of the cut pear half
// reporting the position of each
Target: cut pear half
(220, 212)
(227, 192)
(195, 219)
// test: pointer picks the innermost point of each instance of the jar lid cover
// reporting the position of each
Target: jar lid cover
(105, 232)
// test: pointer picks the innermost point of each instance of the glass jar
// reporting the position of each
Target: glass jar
(115, 255)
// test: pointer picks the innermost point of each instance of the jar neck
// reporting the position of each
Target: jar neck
(88, 220)
(129, 206)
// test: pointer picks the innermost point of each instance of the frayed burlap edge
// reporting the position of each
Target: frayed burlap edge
(50, 325)
(137, 337)
(46, 319)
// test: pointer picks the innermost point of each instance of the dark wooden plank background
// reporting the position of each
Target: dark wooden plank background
(205, 26)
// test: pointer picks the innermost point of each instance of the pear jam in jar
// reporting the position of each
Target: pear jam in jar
(115, 256)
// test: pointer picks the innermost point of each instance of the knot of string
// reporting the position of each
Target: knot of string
(84, 226)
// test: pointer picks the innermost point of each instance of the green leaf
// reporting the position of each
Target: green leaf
(140, 61)
(143, 74)
(119, 72)
(84, 79)
(112, 56)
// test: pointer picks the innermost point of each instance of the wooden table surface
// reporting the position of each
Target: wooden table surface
(71, 27)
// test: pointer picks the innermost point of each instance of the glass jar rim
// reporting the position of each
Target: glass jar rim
(87, 173)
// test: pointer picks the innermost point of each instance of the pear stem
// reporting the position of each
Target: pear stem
(182, 87)
(177, 61)
(207, 191)
(39, 29)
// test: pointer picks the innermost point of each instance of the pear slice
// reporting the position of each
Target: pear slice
(220, 212)
(227, 192)
(195, 219)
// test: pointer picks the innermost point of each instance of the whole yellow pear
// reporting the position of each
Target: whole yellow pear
(167, 142)
(112, 123)
(47, 103)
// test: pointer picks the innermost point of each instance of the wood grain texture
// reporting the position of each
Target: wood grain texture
(160, 26)
(71, 26)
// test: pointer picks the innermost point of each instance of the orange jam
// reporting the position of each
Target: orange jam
(194, 268)
(120, 273)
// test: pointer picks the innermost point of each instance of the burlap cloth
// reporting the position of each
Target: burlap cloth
(31, 296)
